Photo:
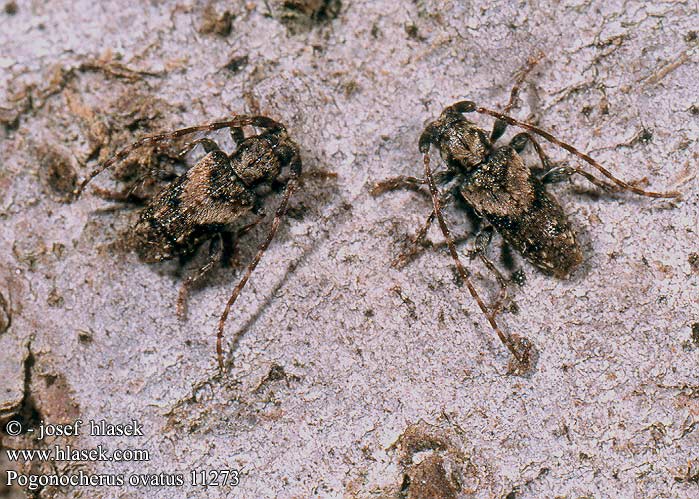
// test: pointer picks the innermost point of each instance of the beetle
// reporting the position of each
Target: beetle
(201, 204)
(505, 195)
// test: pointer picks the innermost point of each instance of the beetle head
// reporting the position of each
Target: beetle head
(462, 144)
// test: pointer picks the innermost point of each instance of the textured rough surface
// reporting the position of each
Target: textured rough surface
(335, 354)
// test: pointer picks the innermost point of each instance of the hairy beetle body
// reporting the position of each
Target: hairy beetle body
(202, 204)
(497, 184)
(210, 196)
(505, 195)
(166, 229)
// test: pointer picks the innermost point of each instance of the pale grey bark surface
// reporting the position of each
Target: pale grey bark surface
(612, 406)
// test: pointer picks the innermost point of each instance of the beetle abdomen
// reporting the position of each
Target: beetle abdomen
(503, 191)
(179, 218)
(541, 234)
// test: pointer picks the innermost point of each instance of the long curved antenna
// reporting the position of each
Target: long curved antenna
(281, 211)
(236, 122)
(522, 358)
(546, 135)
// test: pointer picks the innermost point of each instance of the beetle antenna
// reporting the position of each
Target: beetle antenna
(281, 211)
(546, 135)
(235, 122)
(521, 356)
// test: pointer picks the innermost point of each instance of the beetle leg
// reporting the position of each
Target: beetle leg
(500, 126)
(410, 183)
(399, 182)
(237, 134)
(223, 250)
(418, 243)
(216, 252)
(483, 239)
(127, 195)
(558, 173)
(548, 172)
(520, 141)
(207, 144)
(228, 248)
(230, 240)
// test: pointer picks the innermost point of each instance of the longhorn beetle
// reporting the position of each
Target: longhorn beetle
(200, 204)
(505, 195)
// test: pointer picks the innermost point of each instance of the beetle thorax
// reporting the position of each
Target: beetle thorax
(462, 144)
(259, 159)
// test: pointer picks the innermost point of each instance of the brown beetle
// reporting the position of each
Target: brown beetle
(202, 203)
(506, 195)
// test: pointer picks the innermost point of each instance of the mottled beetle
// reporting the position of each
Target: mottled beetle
(200, 204)
(506, 196)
